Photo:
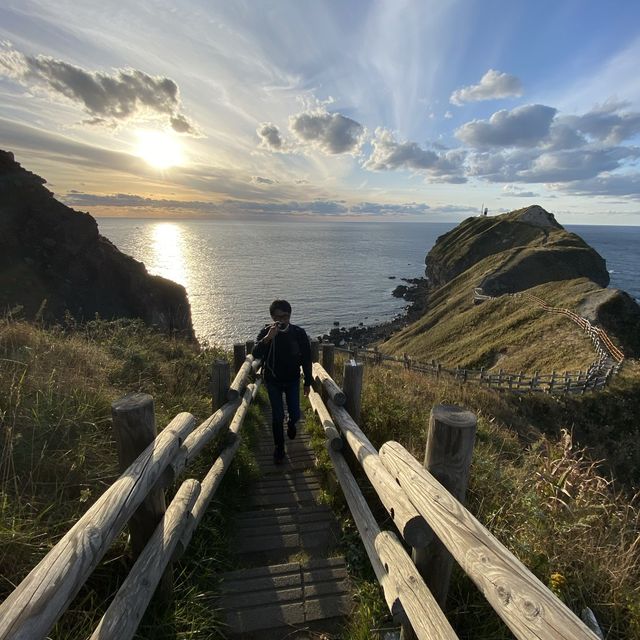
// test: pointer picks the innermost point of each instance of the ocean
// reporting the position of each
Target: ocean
(331, 272)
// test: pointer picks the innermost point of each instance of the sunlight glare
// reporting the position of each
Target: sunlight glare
(168, 258)
(160, 149)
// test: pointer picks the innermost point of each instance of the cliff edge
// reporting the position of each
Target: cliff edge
(53, 260)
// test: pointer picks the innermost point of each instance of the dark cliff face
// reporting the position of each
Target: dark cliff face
(536, 249)
(53, 259)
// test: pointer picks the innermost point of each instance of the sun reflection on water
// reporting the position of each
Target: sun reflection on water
(168, 255)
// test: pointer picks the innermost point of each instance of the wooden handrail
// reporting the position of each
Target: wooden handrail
(33, 607)
(123, 616)
(528, 608)
(323, 379)
(410, 523)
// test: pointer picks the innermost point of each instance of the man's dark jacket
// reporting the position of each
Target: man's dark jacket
(284, 355)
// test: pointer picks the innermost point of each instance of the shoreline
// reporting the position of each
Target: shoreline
(414, 292)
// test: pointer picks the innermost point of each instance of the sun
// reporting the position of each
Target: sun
(160, 149)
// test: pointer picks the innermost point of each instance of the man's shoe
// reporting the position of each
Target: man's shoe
(278, 456)
(292, 430)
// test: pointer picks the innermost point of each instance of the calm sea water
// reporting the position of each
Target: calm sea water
(330, 271)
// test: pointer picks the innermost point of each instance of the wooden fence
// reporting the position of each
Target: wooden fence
(426, 505)
(149, 462)
(609, 361)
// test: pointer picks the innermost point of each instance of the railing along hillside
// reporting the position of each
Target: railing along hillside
(159, 534)
(609, 361)
(426, 506)
(424, 503)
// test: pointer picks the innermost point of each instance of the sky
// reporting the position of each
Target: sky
(338, 109)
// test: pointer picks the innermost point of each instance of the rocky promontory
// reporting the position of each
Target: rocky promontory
(535, 249)
(54, 261)
(524, 250)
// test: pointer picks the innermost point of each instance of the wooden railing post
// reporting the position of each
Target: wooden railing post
(249, 344)
(315, 350)
(328, 355)
(239, 355)
(134, 427)
(352, 387)
(220, 380)
(450, 440)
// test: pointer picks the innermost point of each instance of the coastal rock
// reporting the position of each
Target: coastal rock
(534, 248)
(53, 261)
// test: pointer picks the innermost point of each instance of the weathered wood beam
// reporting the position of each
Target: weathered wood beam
(528, 608)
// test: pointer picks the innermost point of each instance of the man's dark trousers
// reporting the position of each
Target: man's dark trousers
(291, 391)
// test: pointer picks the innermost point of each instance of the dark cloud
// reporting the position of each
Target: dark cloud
(78, 199)
(270, 137)
(389, 154)
(332, 133)
(261, 180)
(525, 126)
(108, 98)
(492, 85)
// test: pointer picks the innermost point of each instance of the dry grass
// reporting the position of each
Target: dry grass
(547, 500)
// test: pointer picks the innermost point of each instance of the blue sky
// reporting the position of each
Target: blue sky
(417, 110)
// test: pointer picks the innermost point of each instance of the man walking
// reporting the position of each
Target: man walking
(283, 348)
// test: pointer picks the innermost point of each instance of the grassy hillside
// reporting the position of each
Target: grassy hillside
(505, 332)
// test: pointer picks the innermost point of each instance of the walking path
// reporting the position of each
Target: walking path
(294, 584)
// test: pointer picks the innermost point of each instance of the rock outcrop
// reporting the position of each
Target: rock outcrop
(535, 249)
(54, 261)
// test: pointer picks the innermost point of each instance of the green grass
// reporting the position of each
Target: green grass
(59, 455)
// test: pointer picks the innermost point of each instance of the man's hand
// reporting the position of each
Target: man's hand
(306, 390)
(273, 331)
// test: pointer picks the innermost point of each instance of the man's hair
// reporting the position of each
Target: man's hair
(280, 305)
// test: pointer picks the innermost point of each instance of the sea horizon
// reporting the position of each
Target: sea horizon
(334, 273)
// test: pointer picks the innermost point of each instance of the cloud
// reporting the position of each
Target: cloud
(388, 154)
(108, 98)
(270, 137)
(492, 85)
(625, 185)
(332, 133)
(261, 180)
(515, 191)
(606, 124)
(75, 198)
(382, 209)
(448, 115)
(524, 126)
(576, 164)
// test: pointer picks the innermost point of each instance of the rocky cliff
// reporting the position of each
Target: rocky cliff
(53, 260)
(535, 249)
